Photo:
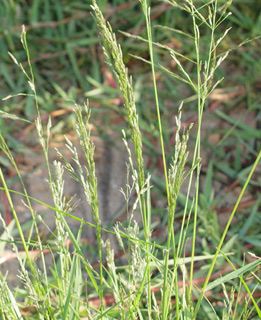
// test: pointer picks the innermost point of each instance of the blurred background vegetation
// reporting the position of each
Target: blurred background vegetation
(69, 66)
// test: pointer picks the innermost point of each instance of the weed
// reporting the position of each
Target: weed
(154, 279)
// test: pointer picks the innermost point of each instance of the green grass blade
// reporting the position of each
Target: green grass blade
(232, 275)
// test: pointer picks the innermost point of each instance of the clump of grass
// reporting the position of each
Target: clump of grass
(144, 288)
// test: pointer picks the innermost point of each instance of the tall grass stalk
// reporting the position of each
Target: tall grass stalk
(86, 177)
(113, 54)
(171, 204)
(56, 183)
(203, 86)
(90, 185)
(62, 207)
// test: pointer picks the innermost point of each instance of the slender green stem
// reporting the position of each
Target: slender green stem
(170, 228)
(201, 94)
(99, 240)
(197, 147)
(196, 198)
(146, 11)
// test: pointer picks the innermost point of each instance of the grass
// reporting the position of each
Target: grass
(157, 278)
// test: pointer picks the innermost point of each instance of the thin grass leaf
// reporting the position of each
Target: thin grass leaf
(71, 53)
(208, 182)
(232, 275)
(71, 305)
(250, 220)
(5, 235)
(251, 132)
